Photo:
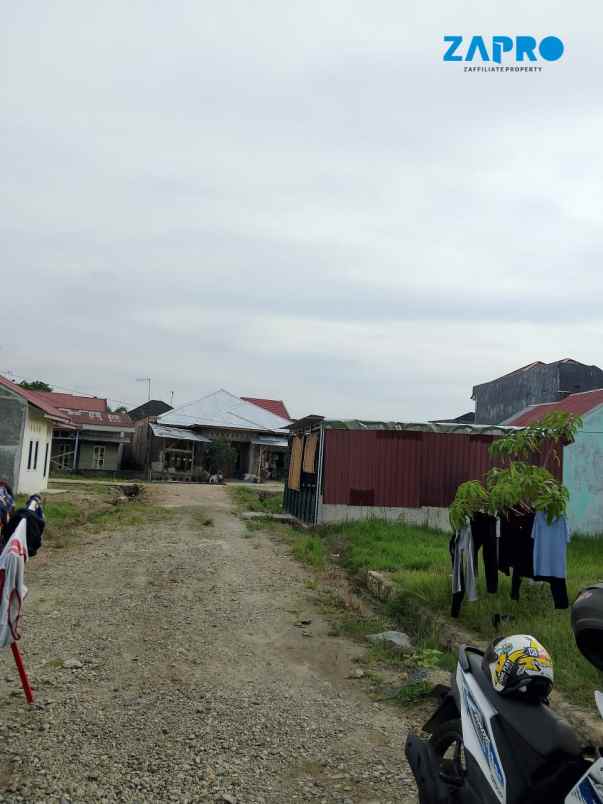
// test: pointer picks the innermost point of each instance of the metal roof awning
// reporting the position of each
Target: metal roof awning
(270, 441)
(163, 431)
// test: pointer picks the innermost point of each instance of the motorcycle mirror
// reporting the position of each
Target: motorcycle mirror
(599, 701)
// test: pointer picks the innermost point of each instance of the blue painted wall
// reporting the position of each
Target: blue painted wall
(583, 476)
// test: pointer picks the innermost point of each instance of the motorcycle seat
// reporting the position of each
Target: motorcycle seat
(535, 723)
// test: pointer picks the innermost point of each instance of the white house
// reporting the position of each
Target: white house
(26, 425)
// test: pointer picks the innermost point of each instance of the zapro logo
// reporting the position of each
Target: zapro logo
(522, 47)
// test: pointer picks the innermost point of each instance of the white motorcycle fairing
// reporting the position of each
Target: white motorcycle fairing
(589, 789)
(478, 737)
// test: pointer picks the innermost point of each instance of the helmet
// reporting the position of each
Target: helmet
(519, 666)
(587, 624)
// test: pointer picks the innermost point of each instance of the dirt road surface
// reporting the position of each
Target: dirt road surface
(191, 682)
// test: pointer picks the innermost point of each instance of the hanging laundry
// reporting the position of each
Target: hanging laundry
(295, 463)
(7, 505)
(33, 515)
(310, 453)
(12, 584)
(516, 552)
(550, 546)
(485, 536)
(463, 569)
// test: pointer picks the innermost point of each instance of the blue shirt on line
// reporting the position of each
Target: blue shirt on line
(550, 546)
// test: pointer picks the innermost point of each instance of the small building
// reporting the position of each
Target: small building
(347, 470)
(96, 439)
(176, 444)
(498, 400)
(150, 409)
(582, 460)
(26, 429)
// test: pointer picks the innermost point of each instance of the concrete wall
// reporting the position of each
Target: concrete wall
(583, 476)
(37, 440)
(86, 456)
(426, 517)
(13, 414)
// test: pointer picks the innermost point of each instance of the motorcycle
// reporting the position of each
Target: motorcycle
(485, 748)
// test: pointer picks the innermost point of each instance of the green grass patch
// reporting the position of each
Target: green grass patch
(311, 550)
(411, 693)
(421, 567)
(252, 498)
(127, 515)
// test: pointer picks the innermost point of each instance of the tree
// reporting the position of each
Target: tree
(35, 385)
(120, 409)
(518, 485)
(221, 456)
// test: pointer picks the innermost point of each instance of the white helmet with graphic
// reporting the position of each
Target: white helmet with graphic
(520, 666)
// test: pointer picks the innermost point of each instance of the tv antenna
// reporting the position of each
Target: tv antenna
(148, 382)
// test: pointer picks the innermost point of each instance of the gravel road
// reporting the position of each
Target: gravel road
(191, 682)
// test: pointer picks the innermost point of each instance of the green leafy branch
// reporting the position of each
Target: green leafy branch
(520, 486)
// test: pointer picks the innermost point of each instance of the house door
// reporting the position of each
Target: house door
(99, 457)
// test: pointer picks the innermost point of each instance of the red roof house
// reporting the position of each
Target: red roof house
(97, 439)
(582, 460)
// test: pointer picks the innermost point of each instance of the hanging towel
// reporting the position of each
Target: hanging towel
(550, 546)
(295, 463)
(12, 585)
(310, 453)
(463, 569)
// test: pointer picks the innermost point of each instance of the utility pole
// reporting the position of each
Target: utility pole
(148, 381)
(172, 398)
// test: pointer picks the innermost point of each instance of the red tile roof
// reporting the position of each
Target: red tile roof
(73, 401)
(276, 406)
(35, 399)
(579, 404)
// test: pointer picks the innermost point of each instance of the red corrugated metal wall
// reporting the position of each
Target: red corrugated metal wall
(401, 468)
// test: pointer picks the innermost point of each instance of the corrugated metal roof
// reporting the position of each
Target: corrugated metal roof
(580, 404)
(419, 427)
(93, 418)
(224, 410)
(162, 431)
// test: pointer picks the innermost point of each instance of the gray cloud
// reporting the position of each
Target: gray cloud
(300, 201)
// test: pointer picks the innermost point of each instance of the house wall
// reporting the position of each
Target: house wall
(86, 456)
(397, 474)
(498, 400)
(583, 476)
(13, 414)
(33, 474)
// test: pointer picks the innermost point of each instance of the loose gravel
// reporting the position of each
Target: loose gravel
(168, 667)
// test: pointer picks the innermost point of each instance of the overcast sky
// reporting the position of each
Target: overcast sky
(296, 200)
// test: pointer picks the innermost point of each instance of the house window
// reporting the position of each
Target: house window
(45, 460)
(30, 455)
(35, 466)
(99, 457)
